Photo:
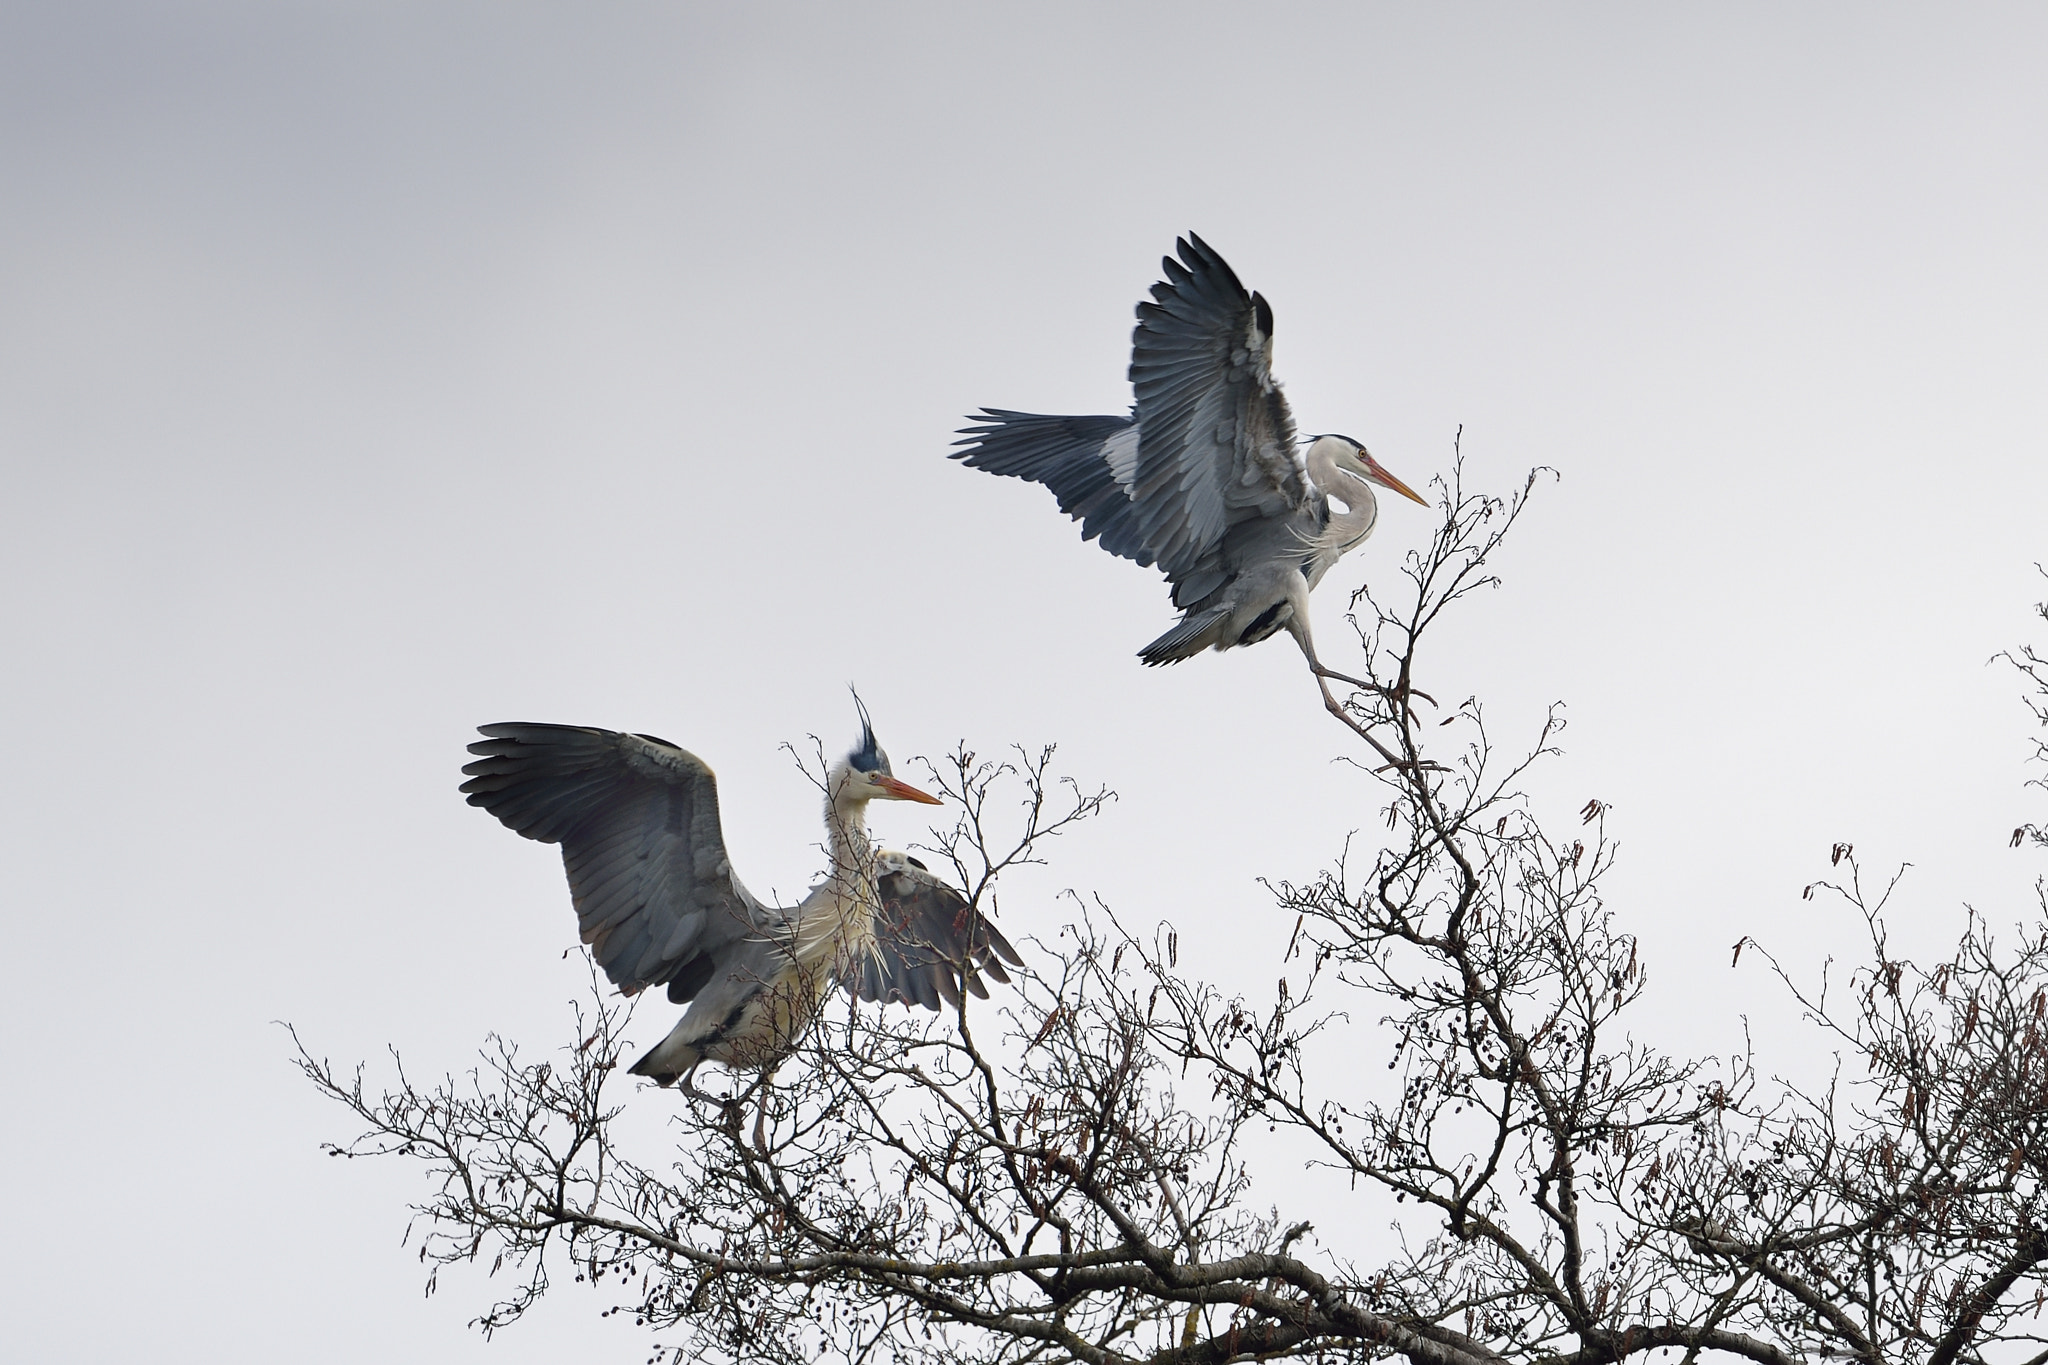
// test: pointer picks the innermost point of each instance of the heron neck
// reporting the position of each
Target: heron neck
(1351, 525)
(846, 833)
(1361, 512)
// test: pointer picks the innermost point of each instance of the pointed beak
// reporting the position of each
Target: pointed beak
(1382, 477)
(892, 790)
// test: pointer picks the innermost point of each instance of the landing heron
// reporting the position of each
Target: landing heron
(658, 901)
(1203, 478)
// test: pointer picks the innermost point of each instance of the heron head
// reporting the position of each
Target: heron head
(1353, 457)
(865, 775)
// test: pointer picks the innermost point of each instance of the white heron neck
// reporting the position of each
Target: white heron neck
(1361, 509)
(846, 832)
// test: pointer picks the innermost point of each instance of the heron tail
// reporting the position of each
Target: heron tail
(668, 1062)
(1196, 632)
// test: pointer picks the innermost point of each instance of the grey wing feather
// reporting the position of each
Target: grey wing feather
(1217, 439)
(1088, 462)
(637, 819)
(928, 940)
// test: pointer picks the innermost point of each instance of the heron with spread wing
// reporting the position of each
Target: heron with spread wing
(658, 902)
(1203, 478)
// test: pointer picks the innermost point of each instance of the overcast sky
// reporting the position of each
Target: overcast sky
(368, 372)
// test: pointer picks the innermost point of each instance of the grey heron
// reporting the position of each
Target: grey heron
(658, 901)
(1202, 478)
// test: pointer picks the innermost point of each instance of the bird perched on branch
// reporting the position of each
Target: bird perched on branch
(658, 901)
(1203, 478)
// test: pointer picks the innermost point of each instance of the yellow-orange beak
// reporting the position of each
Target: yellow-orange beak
(1391, 482)
(902, 791)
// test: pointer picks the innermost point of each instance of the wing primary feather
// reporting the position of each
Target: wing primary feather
(637, 820)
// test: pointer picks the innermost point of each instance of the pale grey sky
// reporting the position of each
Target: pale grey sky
(371, 371)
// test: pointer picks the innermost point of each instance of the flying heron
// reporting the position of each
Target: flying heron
(658, 902)
(1202, 478)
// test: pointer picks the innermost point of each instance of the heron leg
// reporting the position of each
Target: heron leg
(1335, 707)
(1397, 692)
(688, 1085)
(1297, 626)
(761, 1110)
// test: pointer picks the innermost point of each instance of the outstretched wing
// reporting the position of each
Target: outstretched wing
(1088, 463)
(928, 939)
(637, 819)
(1217, 440)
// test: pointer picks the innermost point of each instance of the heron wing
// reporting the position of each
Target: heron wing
(928, 940)
(1088, 463)
(637, 819)
(1217, 440)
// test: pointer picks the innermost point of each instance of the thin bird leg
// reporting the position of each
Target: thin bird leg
(1398, 692)
(761, 1110)
(688, 1085)
(1336, 708)
(1297, 626)
(1394, 693)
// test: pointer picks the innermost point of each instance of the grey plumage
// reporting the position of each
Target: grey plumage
(1089, 463)
(659, 904)
(637, 819)
(1203, 478)
(1216, 440)
(922, 926)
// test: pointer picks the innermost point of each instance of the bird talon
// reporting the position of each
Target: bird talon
(1396, 692)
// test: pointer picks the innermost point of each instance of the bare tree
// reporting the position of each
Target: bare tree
(2033, 668)
(1065, 1173)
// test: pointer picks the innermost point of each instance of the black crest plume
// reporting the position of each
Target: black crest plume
(868, 757)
